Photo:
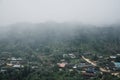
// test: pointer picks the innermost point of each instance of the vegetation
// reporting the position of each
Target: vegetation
(36, 43)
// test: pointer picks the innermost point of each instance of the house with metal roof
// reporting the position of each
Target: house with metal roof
(117, 65)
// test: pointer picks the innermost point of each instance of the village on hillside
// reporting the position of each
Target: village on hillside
(87, 64)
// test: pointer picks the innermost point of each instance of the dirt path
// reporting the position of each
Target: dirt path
(101, 69)
(94, 64)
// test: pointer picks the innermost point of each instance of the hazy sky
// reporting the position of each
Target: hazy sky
(35, 11)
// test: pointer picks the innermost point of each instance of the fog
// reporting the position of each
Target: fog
(95, 12)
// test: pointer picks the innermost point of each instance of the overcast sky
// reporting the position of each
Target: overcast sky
(36, 11)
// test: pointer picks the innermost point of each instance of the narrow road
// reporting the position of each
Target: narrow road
(101, 69)
(94, 64)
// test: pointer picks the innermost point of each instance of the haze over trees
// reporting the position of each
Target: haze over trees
(59, 39)
(81, 37)
(44, 44)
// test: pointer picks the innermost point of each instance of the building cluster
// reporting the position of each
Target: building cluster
(12, 62)
(69, 62)
(81, 66)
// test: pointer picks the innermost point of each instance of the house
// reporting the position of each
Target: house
(65, 55)
(87, 53)
(100, 57)
(62, 65)
(3, 69)
(82, 65)
(88, 74)
(34, 67)
(90, 70)
(112, 57)
(118, 54)
(75, 66)
(14, 60)
(9, 64)
(17, 66)
(72, 55)
(117, 65)
(70, 70)
(62, 60)
(2, 62)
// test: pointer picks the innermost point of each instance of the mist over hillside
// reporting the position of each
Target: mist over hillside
(83, 37)
(59, 39)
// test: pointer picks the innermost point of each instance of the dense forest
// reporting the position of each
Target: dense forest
(61, 37)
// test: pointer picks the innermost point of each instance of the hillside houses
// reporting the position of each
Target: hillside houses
(117, 65)
(15, 62)
(70, 55)
(2, 61)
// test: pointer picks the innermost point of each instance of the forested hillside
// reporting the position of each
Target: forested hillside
(54, 50)
(59, 37)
